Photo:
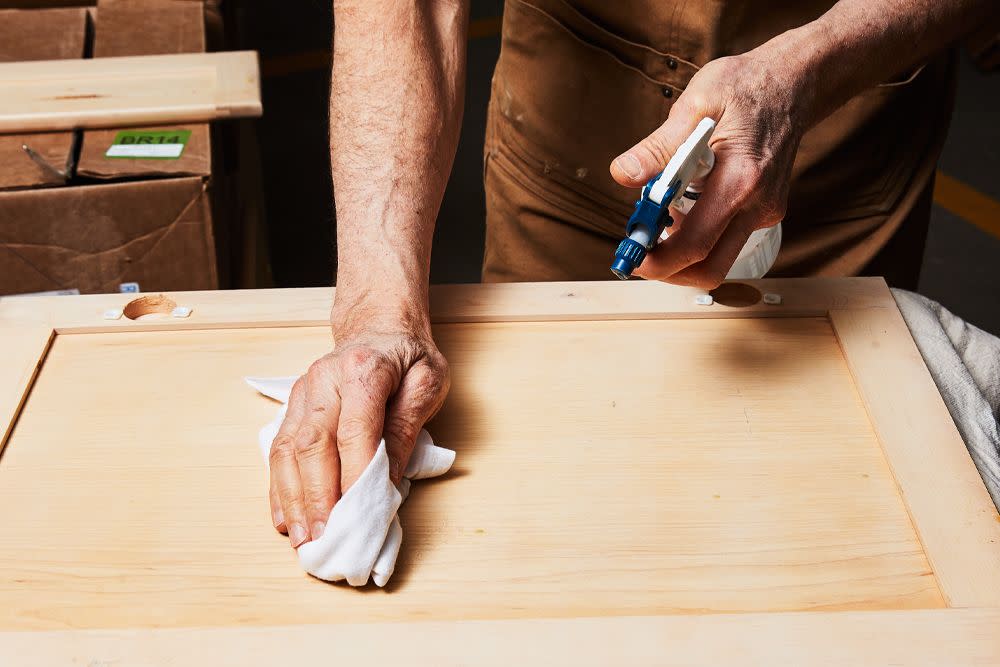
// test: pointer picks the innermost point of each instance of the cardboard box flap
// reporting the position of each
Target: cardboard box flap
(157, 233)
(51, 34)
(151, 27)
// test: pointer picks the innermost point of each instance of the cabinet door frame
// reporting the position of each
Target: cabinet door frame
(949, 505)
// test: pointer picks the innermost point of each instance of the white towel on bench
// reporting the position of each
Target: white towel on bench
(363, 534)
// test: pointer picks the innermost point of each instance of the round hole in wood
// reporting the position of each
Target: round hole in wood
(736, 295)
(149, 307)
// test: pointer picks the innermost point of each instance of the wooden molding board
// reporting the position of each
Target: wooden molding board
(931, 638)
(50, 95)
(936, 476)
(765, 484)
(23, 350)
(498, 302)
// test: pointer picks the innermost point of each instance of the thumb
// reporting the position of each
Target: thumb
(647, 158)
(418, 398)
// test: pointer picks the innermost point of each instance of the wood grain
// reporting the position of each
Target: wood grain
(927, 638)
(521, 302)
(117, 92)
(953, 512)
(24, 350)
(708, 475)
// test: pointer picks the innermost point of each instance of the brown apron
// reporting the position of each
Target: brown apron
(580, 82)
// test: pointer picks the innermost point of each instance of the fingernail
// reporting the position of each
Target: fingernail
(629, 164)
(297, 534)
(279, 518)
(318, 528)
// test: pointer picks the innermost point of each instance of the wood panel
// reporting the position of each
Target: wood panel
(523, 302)
(953, 512)
(931, 638)
(24, 349)
(700, 477)
(117, 92)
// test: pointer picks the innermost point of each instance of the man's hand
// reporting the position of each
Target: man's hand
(763, 102)
(382, 381)
(390, 163)
(755, 141)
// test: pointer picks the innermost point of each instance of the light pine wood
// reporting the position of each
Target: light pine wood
(720, 486)
(23, 349)
(936, 477)
(117, 92)
(510, 302)
(771, 447)
(952, 637)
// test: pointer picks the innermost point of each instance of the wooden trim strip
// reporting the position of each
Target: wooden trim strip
(52, 95)
(949, 505)
(523, 302)
(916, 638)
(24, 351)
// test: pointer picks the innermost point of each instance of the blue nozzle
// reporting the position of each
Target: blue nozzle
(646, 224)
(627, 258)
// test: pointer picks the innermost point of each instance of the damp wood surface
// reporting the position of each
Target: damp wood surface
(729, 467)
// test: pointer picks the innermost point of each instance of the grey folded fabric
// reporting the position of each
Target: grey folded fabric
(965, 363)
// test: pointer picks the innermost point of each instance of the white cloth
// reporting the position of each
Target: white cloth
(363, 534)
(965, 364)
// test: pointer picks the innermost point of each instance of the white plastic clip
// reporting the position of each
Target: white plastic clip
(180, 312)
(113, 314)
(704, 300)
(772, 299)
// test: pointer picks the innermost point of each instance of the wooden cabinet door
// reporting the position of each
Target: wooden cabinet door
(639, 479)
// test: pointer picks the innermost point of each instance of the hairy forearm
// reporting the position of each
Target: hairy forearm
(395, 113)
(859, 44)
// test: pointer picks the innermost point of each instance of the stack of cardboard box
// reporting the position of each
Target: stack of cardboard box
(95, 209)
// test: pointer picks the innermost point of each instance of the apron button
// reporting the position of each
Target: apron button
(667, 92)
(672, 63)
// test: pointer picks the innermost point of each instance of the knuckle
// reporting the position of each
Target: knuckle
(356, 362)
(432, 382)
(751, 173)
(403, 426)
(655, 149)
(282, 450)
(290, 500)
(359, 357)
(351, 432)
(298, 388)
(318, 498)
(310, 442)
(319, 371)
(697, 101)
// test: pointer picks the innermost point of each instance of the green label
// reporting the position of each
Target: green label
(148, 145)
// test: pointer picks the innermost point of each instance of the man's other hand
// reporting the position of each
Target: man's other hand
(384, 381)
(755, 101)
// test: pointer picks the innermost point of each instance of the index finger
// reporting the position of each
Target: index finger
(723, 196)
(362, 420)
(316, 455)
